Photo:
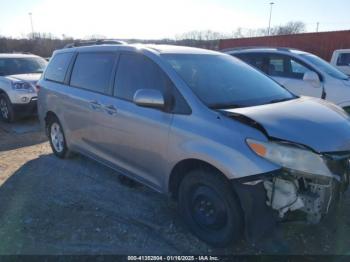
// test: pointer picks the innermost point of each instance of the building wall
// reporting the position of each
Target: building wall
(322, 44)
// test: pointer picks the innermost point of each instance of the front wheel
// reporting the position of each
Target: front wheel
(6, 109)
(57, 138)
(210, 208)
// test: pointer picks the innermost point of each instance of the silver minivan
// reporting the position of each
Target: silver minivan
(234, 148)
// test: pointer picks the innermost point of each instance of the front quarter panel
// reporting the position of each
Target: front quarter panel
(219, 141)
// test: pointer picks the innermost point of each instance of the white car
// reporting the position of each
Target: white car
(18, 76)
(300, 72)
(341, 60)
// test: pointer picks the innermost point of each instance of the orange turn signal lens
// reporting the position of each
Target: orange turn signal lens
(257, 148)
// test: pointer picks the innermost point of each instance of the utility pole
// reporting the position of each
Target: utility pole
(268, 31)
(31, 23)
(318, 24)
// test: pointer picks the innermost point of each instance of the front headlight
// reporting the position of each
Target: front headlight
(22, 86)
(290, 157)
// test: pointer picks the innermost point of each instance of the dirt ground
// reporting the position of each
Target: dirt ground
(77, 206)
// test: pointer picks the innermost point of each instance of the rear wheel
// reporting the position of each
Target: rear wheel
(6, 109)
(57, 138)
(210, 208)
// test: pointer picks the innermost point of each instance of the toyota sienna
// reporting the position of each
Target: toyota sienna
(234, 148)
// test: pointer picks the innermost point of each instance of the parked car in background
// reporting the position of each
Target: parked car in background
(18, 76)
(300, 72)
(341, 60)
(218, 135)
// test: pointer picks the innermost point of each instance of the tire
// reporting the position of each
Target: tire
(57, 138)
(6, 109)
(210, 208)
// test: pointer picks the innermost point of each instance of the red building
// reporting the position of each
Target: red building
(322, 44)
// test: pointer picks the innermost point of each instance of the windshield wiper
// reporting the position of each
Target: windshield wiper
(225, 106)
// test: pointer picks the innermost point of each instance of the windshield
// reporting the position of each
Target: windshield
(16, 66)
(222, 81)
(324, 66)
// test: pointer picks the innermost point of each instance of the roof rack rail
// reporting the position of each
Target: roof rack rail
(95, 42)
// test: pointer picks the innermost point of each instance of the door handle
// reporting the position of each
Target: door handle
(95, 105)
(110, 109)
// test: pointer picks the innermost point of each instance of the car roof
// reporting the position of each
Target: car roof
(16, 55)
(159, 49)
(281, 50)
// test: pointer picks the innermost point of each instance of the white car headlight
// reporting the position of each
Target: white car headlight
(290, 157)
(22, 86)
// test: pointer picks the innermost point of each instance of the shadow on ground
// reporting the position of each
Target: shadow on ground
(22, 133)
(76, 206)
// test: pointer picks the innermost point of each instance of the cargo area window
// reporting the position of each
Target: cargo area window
(57, 68)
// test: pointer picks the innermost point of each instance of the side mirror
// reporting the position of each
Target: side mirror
(149, 98)
(312, 78)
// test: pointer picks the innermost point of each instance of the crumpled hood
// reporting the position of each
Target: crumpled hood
(30, 78)
(308, 121)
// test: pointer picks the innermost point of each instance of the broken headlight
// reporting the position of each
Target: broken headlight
(291, 157)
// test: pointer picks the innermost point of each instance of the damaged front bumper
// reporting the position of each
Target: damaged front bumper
(272, 197)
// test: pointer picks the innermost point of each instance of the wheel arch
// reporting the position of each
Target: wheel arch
(48, 116)
(182, 168)
(2, 91)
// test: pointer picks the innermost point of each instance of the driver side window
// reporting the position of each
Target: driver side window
(136, 71)
(297, 69)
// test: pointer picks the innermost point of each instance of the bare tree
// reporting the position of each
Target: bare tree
(204, 35)
(289, 28)
(292, 27)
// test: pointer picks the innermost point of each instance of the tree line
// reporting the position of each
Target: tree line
(43, 44)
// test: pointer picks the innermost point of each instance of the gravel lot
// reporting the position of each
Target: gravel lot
(77, 206)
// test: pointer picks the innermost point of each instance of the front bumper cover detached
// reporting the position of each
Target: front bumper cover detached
(271, 197)
(258, 217)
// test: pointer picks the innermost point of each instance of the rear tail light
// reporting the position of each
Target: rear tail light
(37, 88)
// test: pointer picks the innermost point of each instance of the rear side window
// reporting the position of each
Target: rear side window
(254, 59)
(57, 68)
(344, 59)
(138, 72)
(93, 71)
(243, 57)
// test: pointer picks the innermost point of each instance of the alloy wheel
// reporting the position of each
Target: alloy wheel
(4, 108)
(57, 137)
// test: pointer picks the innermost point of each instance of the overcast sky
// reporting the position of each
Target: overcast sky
(153, 19)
